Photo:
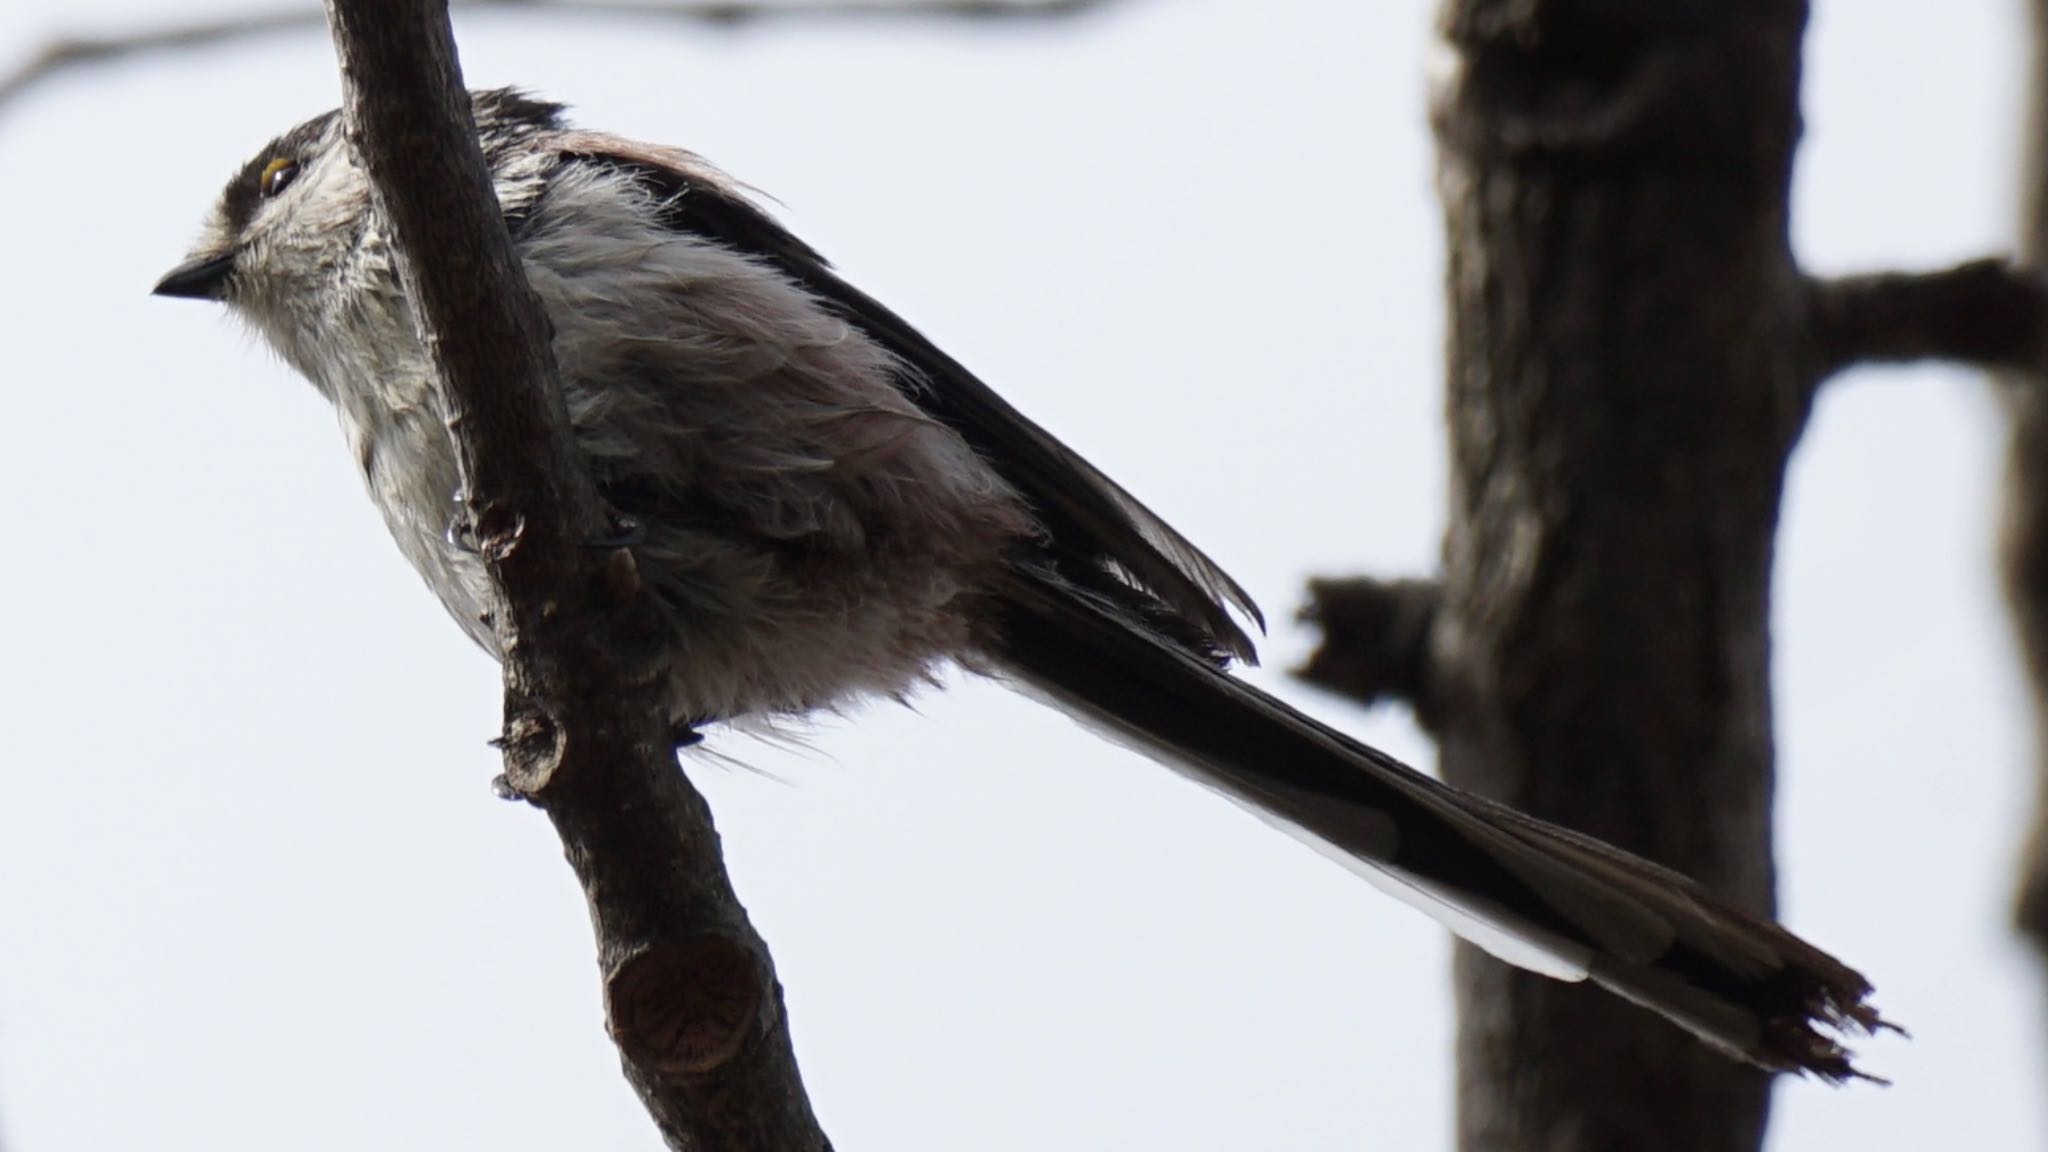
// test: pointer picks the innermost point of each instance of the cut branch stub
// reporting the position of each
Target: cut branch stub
(1376, 639)
(533, 750)
(686, 1007)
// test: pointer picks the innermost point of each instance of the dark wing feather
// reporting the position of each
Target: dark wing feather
(1099, 535)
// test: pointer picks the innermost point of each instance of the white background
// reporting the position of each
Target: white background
(255, 892)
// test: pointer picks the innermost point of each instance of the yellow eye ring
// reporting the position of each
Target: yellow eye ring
(276, 175)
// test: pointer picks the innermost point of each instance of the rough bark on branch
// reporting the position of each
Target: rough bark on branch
(1629, 368)
(690, 992)
(66, 53)
(1990, 313)
(2025, 543)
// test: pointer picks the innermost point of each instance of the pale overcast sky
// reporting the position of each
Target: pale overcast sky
(255, 892)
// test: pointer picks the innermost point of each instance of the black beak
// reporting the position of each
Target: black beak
(200, 278)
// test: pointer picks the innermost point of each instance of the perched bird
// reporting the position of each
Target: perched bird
(828, 507)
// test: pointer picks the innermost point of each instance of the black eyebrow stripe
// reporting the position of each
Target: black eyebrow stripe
(240, 198)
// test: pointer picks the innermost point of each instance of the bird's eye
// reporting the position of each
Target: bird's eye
(276, 175)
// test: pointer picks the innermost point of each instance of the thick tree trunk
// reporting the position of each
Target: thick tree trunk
(1628, 371)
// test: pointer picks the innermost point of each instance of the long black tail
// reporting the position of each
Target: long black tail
(1531, 893)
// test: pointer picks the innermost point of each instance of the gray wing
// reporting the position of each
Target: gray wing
(1097, 535)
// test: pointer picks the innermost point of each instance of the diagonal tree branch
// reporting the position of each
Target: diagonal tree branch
(1991, 313)
(690, 991)
(70, 53)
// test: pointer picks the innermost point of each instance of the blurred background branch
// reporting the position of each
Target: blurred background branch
(2025, 520)
(1990, 313)
(63, 54)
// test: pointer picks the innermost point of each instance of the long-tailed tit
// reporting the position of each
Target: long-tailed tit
(830, 507)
